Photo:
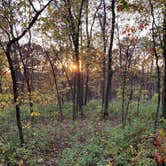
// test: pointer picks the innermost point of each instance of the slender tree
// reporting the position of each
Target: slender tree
(26, 75)
(74, 24)
(108, 81)
(8, 52)
(56, 84)
(157, 64)
(89, 31)
(164, 58)
(103, 21)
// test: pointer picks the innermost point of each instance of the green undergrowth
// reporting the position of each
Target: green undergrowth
(87, 141)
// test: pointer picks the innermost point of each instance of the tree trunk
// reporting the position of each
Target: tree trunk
(1, 86)
(108, 84)
(29, 88)
(74, 97)
(128, 105)
(164, 57)
(86, 86)
(15, 93)
(56, 86)
(139, 99)
(74, 27)
(102, 22)
(157, 65)
(123, 97)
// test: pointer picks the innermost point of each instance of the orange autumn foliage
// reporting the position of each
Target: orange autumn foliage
(119, 8)
(133, 40)
(159, 158)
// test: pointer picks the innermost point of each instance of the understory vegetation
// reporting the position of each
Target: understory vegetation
(88, 141)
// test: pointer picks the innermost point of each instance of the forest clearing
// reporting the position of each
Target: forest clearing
(82, 82)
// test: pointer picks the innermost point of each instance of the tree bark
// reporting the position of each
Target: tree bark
(1, 86)
(8, 51)
(108, 85)
(56, 86)
(103, 30)
(164, 58)
(74, 27)
(29, 87)
(15, 93)
(157, 65)
(86, 86)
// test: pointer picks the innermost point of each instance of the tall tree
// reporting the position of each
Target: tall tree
(108, 75)
(74, 23)
(103, 21)
(8, 49)
(164, 58)
(53, 69)
(157, 63)
(89, 33)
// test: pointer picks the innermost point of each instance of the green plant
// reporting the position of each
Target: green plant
(88, 154)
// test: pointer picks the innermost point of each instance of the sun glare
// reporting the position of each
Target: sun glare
(74, 67)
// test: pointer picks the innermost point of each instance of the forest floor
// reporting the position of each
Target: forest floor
(79, 132)
(88, 141)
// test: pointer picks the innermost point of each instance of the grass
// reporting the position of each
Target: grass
(87, 141)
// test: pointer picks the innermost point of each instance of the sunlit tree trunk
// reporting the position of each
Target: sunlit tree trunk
(74, 27)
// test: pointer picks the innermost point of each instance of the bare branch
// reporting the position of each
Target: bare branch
(31, 3)
(29, 26)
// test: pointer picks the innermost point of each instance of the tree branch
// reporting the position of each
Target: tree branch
(29, 26)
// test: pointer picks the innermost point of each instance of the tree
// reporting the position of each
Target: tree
(74, 22)
(108, 80)
(54, 73)
(164, 59)
(103, 21)
(2, 69)
(8, 49)
(89, 42)
(157, 63)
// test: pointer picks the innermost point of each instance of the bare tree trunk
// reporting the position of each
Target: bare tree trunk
(8, 54)
(74, 98)
(102, 22)
(86, 86)
(139, 99)
(81, 90)
(29, 87)
(124, 76)
(65, 71)
(88, 47)
(123, 97)
(108, 83)
(157, 66)
(164, 57)
(15, 93)
(89, 38)
(1, 85)
(128, 104)
(74, 25)
(56, 85)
